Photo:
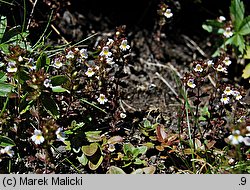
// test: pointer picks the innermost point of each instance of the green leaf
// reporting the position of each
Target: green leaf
(115, 139)
(246, 72)
(93, 136)
(138, 161)
(212, 26)
(128, 147)
(237, 11)
(50, 105)
(93, 166)
(3, 25)
(247, 54)
(83, 159)
(42, 61)
(59, 89)
(6, 141)
(59, 80)
(5, 89)
(142, 149)
(115, 170)
(138, 171)
(245, 26)
(3, 76)
(90, 150)
(238, 41)
(208, 28)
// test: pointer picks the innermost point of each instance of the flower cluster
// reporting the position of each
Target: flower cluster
(165, 13)
(236, 137)
(228, 93)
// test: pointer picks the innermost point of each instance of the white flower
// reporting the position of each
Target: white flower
(110, 42)
(246, 140)
(228, 91)
(224, 99)
(228, 33)
(7, 150)
(60, 134)
(221, 69)
(20, 59)
(111, 148)
(198, 68)
(102, 99)
(190, 83)
(12, 67)
(168, 13)
(124, 45)
(210, 63)
(90, 72)
(235, 138)
(110, 61)
(227, 61)
(237, 95)
(70, 55)
(57, 63)
(221, 19)
(37, 137)
(105, 52)
(123, 115)
(248, 128)
(47, 84)
(84, 53)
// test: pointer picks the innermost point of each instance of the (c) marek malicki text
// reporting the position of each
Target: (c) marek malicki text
(59, 180)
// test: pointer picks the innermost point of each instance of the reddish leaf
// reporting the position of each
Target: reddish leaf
(160, 133)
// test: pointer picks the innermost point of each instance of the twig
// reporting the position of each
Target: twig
(166, 82)
(57, 31)
(31, 13)
(128, 105)
(194, 44)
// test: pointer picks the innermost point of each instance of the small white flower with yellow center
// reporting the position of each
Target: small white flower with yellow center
(221, 19)
(110, 61)
(220, 68)
(124, 45)
(168, 13)
(110, 42)
(84, 53)
(102, 99)
(60, 134)
(105, 52)
(228, 91)
(12, 67)
(111, 148)
(228, 32)
(90, 72)
(7, 150)
(227, 61)
(237, 95)
(57, 63)
(70, 55)
(198, 68)
(37, 137)
(235, 138)
(210, 63)
(225, 99)
(191, 83)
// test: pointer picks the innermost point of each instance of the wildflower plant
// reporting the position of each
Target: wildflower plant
(233, 30)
